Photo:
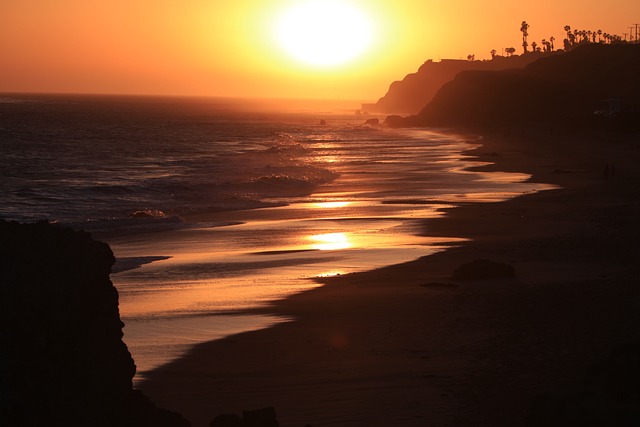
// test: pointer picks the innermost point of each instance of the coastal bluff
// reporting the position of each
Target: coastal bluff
(591, 84)
(415, 90)
(62, 360)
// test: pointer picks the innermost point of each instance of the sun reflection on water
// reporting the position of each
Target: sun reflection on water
(330, 273)
(330, 205)
(330, 241)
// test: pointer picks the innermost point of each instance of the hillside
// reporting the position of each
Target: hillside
(412, 93)
(585, 84)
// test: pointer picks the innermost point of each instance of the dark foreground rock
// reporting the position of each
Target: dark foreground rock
(265, 417)
(62, 358)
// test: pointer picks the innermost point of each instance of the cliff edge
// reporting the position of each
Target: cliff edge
(411, 94)
(574, 89)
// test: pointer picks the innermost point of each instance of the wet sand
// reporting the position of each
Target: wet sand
(408, 346)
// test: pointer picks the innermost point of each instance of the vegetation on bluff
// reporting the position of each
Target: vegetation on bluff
(586, 83)
(416, 90)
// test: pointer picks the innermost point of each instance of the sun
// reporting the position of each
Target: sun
(324, 33)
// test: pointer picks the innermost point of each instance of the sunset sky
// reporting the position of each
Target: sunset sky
(240, 48)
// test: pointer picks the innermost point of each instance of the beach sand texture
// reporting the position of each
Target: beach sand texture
(408, 346)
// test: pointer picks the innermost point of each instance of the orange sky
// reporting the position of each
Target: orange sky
(227, 48)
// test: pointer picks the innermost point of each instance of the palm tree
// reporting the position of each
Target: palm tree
(524, 27)
(493, 53)
(534, 46)
(599, 36)
(551, 40)
(569, 40)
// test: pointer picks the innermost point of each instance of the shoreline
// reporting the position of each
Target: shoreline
(390, 347)
(319, 237)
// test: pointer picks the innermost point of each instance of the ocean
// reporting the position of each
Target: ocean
(215, 207)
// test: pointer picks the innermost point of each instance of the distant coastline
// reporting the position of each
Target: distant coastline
(415, 90)
(593, 85)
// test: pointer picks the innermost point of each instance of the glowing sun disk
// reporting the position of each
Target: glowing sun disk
(324, 33)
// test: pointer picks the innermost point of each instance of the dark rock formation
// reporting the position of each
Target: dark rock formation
(265, 417)
(587, 84)
(62, 358)
(482, 269)
(227, 420)
(412, 93)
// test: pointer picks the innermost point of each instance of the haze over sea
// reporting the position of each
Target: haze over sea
(214, 207)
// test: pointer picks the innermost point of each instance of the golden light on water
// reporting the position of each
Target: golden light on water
(330, 205)
(330, 241)
(332, 273)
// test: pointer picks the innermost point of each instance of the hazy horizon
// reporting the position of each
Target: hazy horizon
(256, 49)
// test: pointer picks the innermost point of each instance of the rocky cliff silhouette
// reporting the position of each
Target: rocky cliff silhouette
(587, 84)
(62, 358)
(412, 93)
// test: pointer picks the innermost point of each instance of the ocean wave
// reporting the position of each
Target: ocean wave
(287, 149)
(284, 138)
(148, 213)
(281, 181)
(111, 189)
(115, 226)
(9, 100)
(295, 180)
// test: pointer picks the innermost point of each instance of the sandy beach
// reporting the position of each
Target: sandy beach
(408, 346)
